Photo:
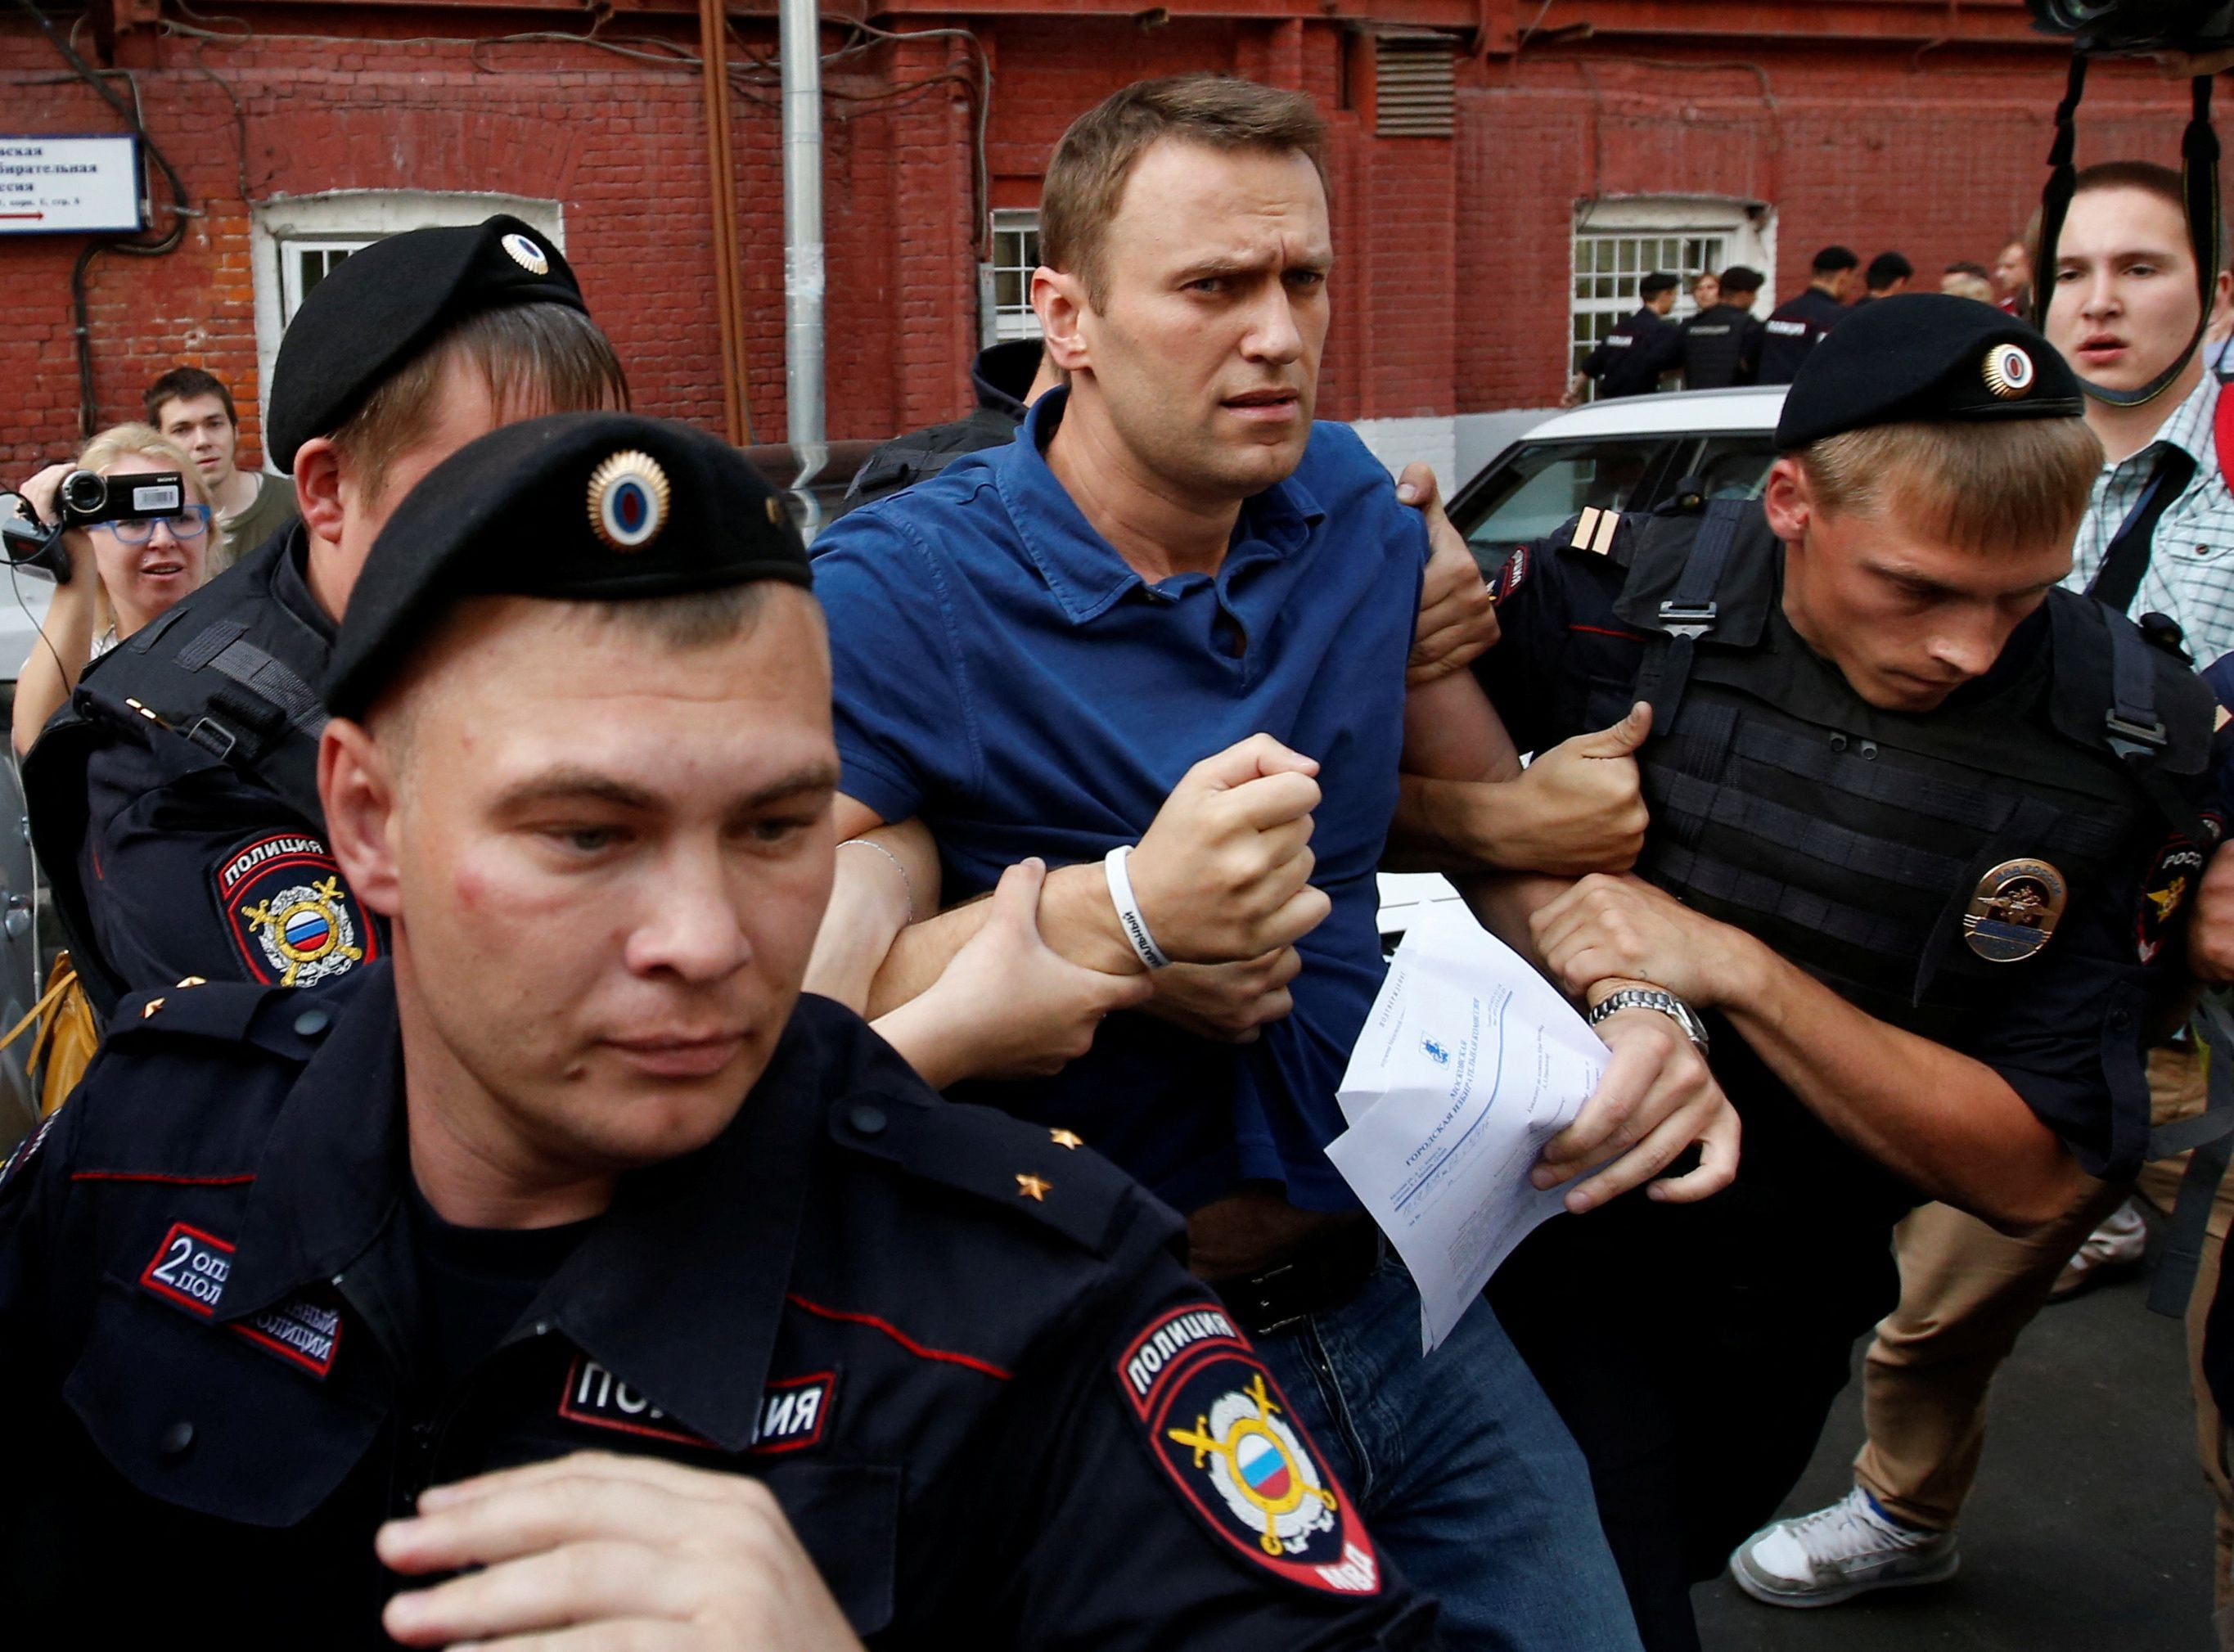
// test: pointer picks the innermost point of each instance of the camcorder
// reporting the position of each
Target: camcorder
(2137, 28)
(84, 498)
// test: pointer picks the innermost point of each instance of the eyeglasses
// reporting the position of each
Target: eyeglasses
(189, 523)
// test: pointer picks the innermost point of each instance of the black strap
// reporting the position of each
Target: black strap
(1689, 612)
(2063, 179)
(2209, 1137)
(2134, 731)
(2119, 577)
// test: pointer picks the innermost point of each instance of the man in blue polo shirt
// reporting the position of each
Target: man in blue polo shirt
(1160, 641)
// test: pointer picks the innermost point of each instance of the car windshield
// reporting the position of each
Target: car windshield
(1540, 486)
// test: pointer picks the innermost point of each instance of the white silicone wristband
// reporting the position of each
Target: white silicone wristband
(1128, 909)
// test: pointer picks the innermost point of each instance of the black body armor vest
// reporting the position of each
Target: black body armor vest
(232, 669)
(1864, 845)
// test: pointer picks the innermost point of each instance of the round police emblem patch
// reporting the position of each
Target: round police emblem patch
(1220, 1428)
(525, 253)
(628, 500)
(2009, 372)
(2171, 883)
(293, 919)
(2013, 911)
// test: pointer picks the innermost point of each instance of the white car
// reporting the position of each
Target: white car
(1625, 454)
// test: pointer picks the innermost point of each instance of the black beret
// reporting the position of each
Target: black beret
(575, 508)
(383, 305)
(1920, 358)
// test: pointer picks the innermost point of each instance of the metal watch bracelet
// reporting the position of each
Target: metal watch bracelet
(1654, 998)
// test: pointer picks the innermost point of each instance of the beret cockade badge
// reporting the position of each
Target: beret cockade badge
(628, 500)
(2009, 372)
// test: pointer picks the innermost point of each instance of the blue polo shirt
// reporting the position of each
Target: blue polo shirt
(1004, 675)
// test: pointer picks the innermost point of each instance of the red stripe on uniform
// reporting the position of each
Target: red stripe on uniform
(1600, 631)
(158, 1176)
(898, 1335)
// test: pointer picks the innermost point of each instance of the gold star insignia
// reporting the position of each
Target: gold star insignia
(1031, 1187)
(1065, 1139)
(150, 1007)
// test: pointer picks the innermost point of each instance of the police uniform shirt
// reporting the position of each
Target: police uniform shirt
(1796, 327)
(189, 862)
(1721, 347)
(1630, 360)
(959, 1350)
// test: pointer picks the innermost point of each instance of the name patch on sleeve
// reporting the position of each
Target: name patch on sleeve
(1220, 1429)
(189, 1267)
(794, 1413)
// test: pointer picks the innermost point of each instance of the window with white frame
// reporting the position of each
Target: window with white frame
(296, 242)
(1617, 243)
(1015, 255)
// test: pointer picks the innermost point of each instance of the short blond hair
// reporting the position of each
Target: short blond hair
(1990, 487)
(1085, 178)
(534, 358)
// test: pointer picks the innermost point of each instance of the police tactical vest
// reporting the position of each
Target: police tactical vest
(232, 668)
(1911, 862)
(1714, 347)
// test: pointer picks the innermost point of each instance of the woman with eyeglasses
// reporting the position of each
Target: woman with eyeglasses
(123, 574)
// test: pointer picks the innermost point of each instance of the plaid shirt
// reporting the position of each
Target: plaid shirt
(2190, 573)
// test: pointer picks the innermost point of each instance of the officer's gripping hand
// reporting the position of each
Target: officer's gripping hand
(1230, 1002)
(2210, 922)
(1224, 872)
(1008, 1005)
(1655, 1099)
(1579, 807)
(599, 1550)
(1458, 622)
(1623, 929)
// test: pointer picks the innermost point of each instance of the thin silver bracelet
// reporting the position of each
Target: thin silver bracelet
(907, 883)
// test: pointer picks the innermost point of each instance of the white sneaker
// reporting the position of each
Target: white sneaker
(1833, 1554)
(2118, 1246)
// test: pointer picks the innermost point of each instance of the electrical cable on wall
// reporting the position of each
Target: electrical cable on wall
(88, 410)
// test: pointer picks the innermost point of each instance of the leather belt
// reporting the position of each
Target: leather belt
(1328, 1272)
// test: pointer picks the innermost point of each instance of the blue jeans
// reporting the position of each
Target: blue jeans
(1465, 1476)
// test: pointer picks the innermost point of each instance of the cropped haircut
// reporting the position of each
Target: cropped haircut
(1831, 259)
(184, 384)
(1085, 178)
(534, 358)
(1655, 284)
(1887, 268)
(2148, 178)
(1990, 488)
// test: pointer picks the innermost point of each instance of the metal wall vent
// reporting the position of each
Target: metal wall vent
(1414, 92)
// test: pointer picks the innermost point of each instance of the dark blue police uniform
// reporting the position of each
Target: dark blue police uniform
(1795, 328)
(1720, 346)
(175, 799)
(961, 1353)
(1630, 360)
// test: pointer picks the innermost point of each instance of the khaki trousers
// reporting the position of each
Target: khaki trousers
(1966, 1293)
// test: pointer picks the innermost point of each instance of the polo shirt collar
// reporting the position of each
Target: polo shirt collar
(1083, 570)
(679, 1288)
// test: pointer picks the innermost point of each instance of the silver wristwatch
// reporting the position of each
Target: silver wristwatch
(1653, 998)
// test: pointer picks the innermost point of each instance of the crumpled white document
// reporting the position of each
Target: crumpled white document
(1469, 1063)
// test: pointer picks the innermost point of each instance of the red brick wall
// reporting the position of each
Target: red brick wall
(1451, 278)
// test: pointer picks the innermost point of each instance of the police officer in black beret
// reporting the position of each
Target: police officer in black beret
(1630, 360)
(691, 1302)
(1919, 823)
(173, 801)
(1803, 321)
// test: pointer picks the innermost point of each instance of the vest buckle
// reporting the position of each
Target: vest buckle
(2131, 739)
(214, 737)
(1688, 619)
